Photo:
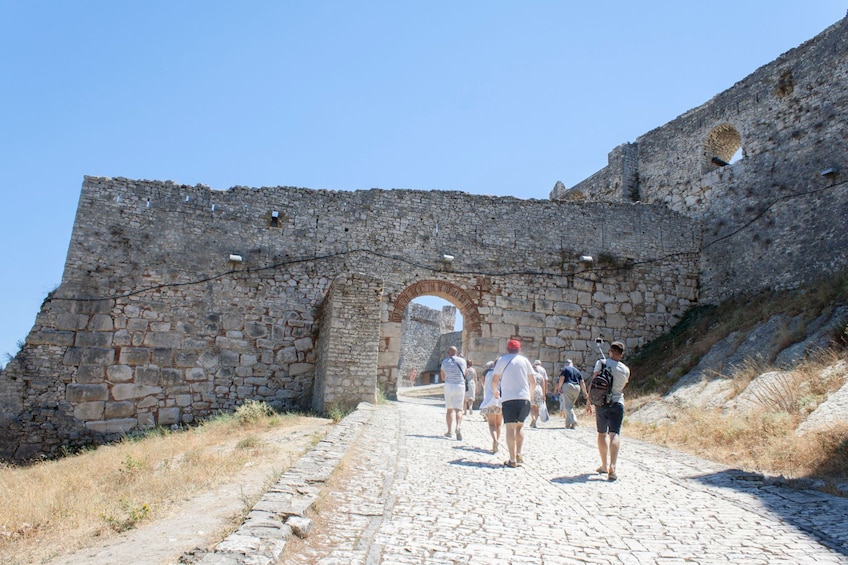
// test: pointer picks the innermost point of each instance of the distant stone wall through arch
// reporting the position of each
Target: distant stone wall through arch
(390, 344)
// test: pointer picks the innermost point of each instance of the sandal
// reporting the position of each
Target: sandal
(458, 435)
(509, 463)
(519, 459)
(494, 446)
(601, 470)
(612, 475)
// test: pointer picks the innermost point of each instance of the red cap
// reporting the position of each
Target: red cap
(513, 345)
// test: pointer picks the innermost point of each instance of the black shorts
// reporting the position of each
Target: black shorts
(608, 419)
(515, 411)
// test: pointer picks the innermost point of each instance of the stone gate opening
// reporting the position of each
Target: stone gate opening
(389, 373)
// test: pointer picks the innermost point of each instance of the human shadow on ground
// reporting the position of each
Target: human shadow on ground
(473, 449)
(478, 464)
(430, 436)
(818, 514)
(582, 478)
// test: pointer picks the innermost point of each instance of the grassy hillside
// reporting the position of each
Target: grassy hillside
(763, 440)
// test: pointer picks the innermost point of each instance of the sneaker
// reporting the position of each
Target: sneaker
(458, 435)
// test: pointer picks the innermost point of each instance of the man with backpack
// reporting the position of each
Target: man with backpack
(606, 393)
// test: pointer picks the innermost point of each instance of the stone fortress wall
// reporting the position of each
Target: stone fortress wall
(178, 302)
(778, 215)
(421, 332)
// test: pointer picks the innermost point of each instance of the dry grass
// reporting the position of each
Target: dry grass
(71, 501)
(764, 439)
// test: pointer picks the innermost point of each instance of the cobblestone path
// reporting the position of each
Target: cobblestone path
(406, 494)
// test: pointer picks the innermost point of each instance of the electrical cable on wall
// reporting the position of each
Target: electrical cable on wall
(247, 270)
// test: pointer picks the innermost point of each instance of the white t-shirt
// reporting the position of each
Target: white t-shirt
(514, 369)
(454, 368)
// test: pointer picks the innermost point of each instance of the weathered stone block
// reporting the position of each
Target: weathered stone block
(148, 376)
(89, 410)
(134, 356)
(76, 393)
(128, 391)
(118, 410)
(101, 323)
(195, 374)
(171, 377)
(97, 356)
(86, 339)
(90, 374)
(119, 373)
(162, 339)
(120, 426)
(51, 337)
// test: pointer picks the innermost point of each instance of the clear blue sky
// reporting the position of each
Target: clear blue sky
(482, 96)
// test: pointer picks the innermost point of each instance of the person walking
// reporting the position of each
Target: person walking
(470, 388)
(608, 418)
(513, 382)
(540, 392)
(569, 387)
(490, 407)
(452, 372)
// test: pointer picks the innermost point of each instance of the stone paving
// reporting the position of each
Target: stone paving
(410, 495)
(405, 494)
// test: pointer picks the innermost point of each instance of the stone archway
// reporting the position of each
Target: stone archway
(390, 342)
(442, 289)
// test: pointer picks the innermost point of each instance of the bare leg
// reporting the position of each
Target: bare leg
(494, 430)
(602, 449)
(510, 440)
(458, 420)
(449, 420)
(519, 439)
(615, 444)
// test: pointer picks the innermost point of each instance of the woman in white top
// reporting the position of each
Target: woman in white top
(538, 398)
(491, 407)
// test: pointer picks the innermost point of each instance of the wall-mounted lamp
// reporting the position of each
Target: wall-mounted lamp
(447, 258)
(236, 258)
(586, 259)
(829, 172)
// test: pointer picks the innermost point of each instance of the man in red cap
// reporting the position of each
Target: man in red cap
(513, 381)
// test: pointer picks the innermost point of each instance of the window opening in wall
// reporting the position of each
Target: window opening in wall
(722, 147)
